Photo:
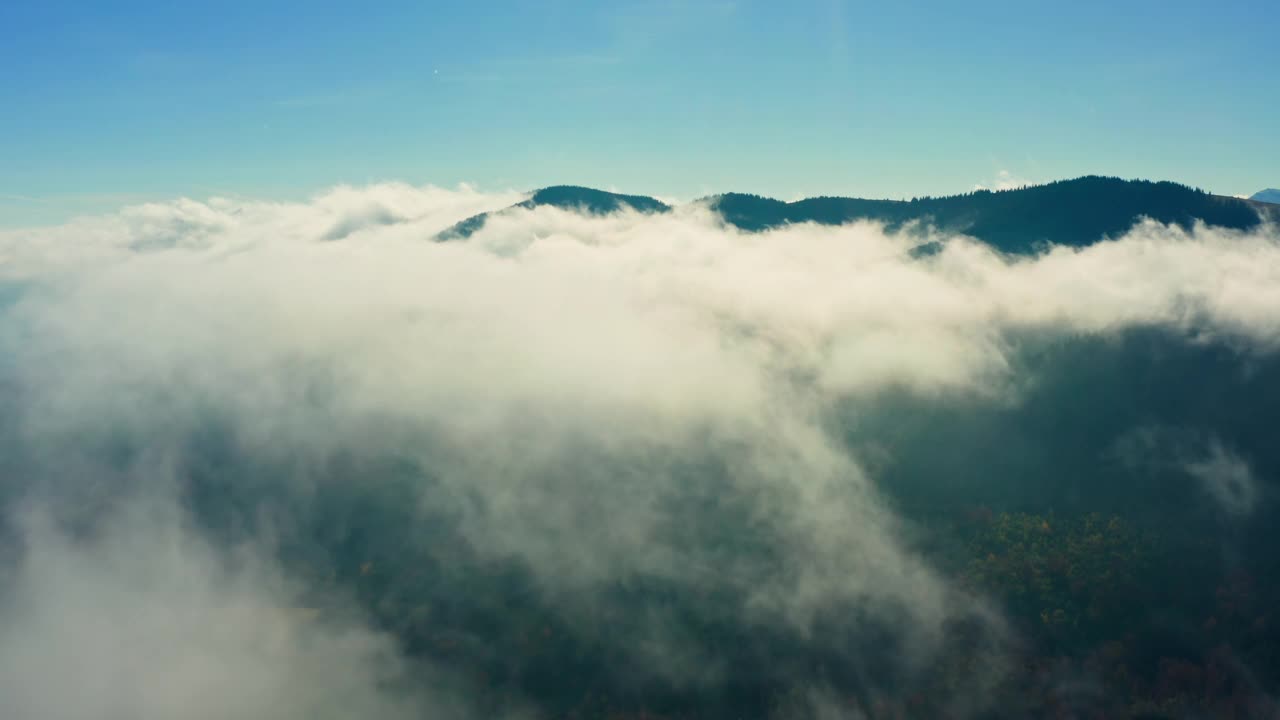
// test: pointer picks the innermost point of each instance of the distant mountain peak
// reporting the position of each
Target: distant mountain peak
(566, 197)
(1270, 195)
(599, 202)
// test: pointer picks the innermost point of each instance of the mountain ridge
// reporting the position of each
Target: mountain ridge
(1075, 212)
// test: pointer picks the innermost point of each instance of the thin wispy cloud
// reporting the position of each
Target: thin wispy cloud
(1004, 180)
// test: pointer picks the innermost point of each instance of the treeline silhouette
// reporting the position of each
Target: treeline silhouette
(1068, 212)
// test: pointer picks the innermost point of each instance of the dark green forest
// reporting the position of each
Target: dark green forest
(1129, 594)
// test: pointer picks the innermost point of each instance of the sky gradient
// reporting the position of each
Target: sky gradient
(105, 104)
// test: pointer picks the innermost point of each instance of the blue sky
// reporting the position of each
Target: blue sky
(107, 103)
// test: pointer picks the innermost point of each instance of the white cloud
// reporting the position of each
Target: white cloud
(149, 621)
(552, 365)
(1004, 180)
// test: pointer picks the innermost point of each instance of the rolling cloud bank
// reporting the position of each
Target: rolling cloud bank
(301, 461)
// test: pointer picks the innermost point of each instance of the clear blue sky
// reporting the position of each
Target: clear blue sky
(103, 103)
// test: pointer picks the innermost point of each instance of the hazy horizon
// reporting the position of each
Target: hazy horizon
(52, 214)
(112, 103)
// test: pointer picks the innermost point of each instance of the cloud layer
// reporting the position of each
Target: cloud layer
(593, 403)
